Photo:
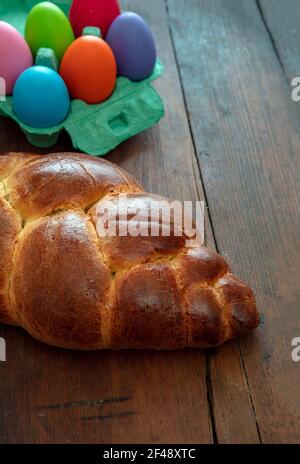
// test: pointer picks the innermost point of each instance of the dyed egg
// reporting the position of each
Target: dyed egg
(89, 69)
(132, 43)
(15, 55)
(47, 26)
(40, 97)
(97, 13)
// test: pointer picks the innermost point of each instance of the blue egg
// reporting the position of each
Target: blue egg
(40, 97)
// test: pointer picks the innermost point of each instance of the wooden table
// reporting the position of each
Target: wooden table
(231, 136)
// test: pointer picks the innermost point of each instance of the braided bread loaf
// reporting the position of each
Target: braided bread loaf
(70, 288)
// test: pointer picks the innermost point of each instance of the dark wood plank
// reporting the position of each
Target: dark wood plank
(147, 396)
(246, 131)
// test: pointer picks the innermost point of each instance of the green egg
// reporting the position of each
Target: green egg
(47, 26)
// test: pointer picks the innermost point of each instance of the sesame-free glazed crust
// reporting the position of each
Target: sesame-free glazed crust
(70, 287)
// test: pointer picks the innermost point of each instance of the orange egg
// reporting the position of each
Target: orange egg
(89, 69)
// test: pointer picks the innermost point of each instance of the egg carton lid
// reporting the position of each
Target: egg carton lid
(94, 129)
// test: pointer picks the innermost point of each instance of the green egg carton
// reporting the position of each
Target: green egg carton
(94, 129)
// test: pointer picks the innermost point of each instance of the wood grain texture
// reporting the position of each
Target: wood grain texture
(49, 395)
(246, 131)
(282, 20)
(245, 128)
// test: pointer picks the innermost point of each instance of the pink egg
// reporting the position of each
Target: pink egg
(15, 55)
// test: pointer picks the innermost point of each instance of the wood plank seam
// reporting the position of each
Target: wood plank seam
(209, 383)
(196, 163)
(272, 39)
(250, 393)
(273, 42)
(249, 68)
(210, 397)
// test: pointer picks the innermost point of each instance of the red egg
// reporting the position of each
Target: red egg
(97, 13)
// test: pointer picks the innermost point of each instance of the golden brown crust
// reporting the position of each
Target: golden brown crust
(200, 265)
(206, 325)
(60, 282)
(69, 286)
(148, 312)
(10, 227)
(122, 252)
(62, 181)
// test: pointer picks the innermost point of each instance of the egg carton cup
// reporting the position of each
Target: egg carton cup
(97, 129)
(94, 129)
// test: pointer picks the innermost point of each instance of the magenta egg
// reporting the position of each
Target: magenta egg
(15, 56)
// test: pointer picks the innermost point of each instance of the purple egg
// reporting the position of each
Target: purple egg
(133, 45)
